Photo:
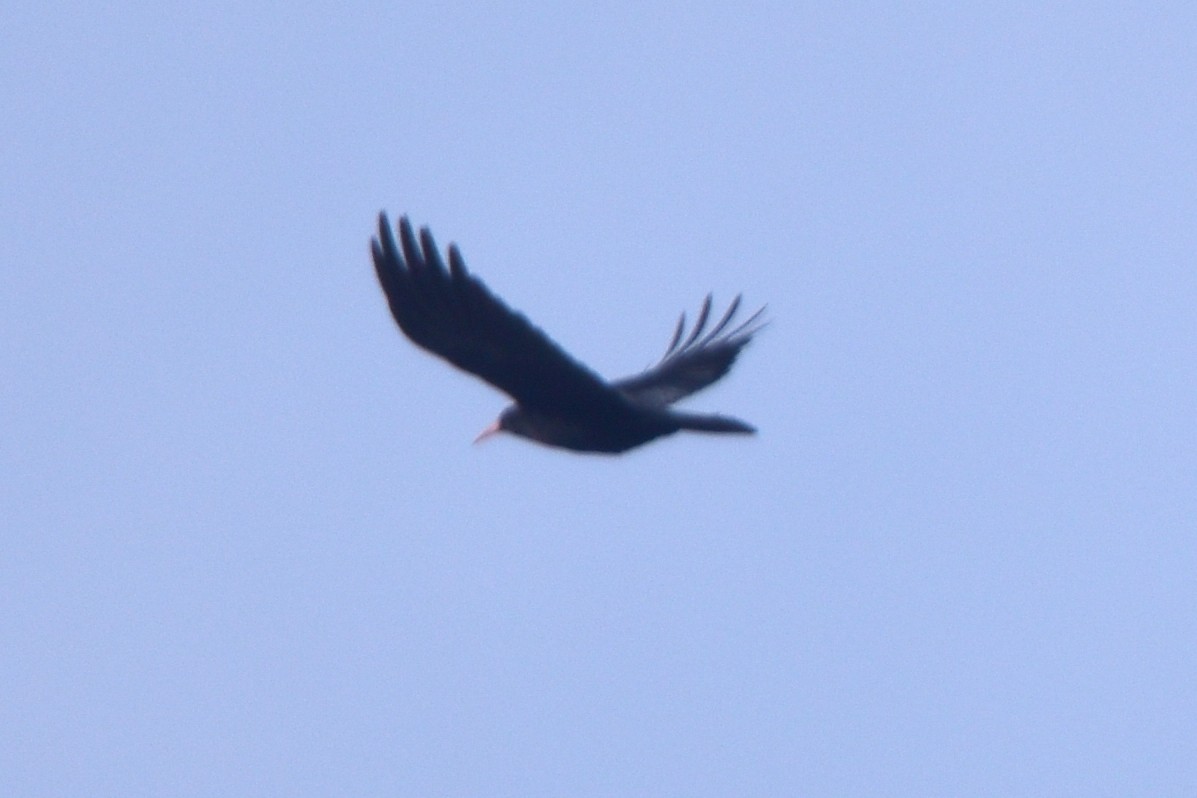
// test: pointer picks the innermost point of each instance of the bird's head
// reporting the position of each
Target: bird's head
(510, 420)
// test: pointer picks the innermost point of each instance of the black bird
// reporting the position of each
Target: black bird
(558, 401)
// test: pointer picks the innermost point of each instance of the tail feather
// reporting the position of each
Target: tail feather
(713, 423)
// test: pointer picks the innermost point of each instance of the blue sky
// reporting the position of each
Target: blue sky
(248, 548)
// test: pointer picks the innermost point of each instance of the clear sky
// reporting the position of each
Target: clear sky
(248, 549)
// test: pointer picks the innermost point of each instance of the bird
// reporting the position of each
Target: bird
(559, 402)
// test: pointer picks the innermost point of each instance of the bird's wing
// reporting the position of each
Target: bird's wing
(453, 315)
(694, 363)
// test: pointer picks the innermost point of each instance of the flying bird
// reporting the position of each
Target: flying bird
(558, 401)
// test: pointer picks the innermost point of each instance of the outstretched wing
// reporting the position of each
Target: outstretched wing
(696, 362)
(453, 315)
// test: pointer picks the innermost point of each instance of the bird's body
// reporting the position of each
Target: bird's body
(558, 401)
(612, 432)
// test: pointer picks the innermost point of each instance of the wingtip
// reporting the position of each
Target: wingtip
(457, 267)
(384, 245)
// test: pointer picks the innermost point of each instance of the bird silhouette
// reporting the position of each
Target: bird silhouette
(558, 401)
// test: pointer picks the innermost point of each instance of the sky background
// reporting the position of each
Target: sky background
(248, 549)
